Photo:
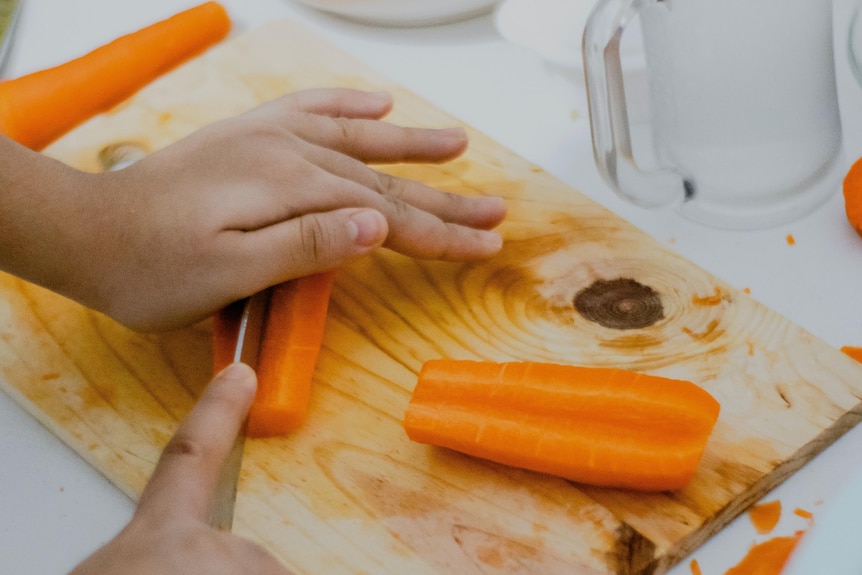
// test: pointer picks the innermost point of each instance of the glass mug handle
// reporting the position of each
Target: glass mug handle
(611, 133)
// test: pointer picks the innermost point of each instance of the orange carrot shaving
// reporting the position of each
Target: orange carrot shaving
(854, 352)
(803, 513)
(791, 241)
(765, 516)
(852, 189)
(600, 426)
(291, 343)
(767, 558)
(695, 567)
(38, 108)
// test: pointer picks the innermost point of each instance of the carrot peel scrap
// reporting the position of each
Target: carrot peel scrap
(853, 351)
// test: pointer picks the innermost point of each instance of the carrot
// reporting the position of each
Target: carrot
(38, 108)
(768, 557)
(764, 516)
(288, 355)
(852, 351)
(600, 426)
(852, 189)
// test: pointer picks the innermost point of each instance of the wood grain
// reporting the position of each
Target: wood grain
(349, 493)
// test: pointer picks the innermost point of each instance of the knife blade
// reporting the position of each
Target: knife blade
(248, 342)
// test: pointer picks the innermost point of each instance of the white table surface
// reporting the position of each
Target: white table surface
(55, 509)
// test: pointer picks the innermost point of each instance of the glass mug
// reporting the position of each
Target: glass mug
(745, 120)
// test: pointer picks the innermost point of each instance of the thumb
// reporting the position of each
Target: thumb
(320, 241)
(184, 480)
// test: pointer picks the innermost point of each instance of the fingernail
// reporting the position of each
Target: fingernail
(368, 227)
(493, 240)
(237, 376)
(454, 133)
(236, 372)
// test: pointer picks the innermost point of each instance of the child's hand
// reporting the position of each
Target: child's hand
(279, 192)
(169, 532)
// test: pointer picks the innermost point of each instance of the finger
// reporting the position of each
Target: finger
(336, 102)
(484, 212)
(373, 141)
(342, 127)
(411, 231)
(184, 480)
(314, 242)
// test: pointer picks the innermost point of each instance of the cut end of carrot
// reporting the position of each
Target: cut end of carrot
(274, 420)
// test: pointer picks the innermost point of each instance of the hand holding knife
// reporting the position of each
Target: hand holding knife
(247, 351)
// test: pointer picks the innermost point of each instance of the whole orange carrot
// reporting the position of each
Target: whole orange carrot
(600, 426)
(38, 108)
(291, 343)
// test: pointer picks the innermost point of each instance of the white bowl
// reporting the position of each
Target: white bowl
(404, 12)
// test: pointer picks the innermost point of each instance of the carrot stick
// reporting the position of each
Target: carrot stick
(600, 426)
(291, 343)
(38, 108)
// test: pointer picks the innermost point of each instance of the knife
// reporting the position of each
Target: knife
(248, 342)
(10, 12)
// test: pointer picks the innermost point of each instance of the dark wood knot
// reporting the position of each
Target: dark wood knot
(620, 303)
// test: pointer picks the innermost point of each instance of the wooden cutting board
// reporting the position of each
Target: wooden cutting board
(349, 493)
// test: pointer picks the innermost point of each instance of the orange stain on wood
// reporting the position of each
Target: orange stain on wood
(50, 376)
(710, 328)
(765, 516)
(710, 300)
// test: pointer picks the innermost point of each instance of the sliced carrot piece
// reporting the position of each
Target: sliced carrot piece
(600, 426)
(38, 108)
(291, 344)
